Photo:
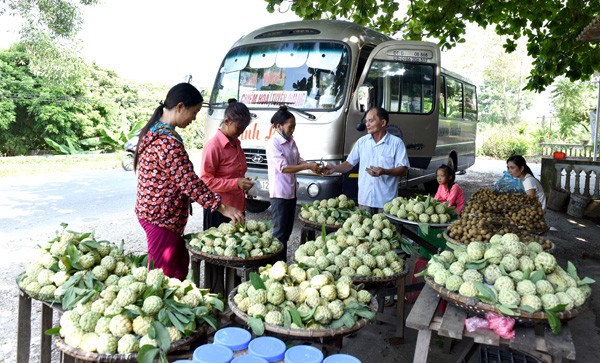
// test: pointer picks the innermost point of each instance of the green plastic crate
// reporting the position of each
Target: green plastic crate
(435, 236)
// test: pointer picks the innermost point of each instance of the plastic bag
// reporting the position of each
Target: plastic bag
(501, 325)
(472, 324)
(508, 184)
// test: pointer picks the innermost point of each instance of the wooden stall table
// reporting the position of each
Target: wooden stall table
(24, 326)
(233, 266)
(181, 349)
(310, 230)
(388, 286)
(537, 341)
(330, 340)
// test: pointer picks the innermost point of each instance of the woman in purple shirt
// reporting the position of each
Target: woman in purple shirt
(284, 162)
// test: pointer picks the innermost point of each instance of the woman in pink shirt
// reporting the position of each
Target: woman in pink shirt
(448, 190)
(284, 162)
(223, 170)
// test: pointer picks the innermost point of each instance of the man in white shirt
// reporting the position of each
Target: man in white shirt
(383, 160)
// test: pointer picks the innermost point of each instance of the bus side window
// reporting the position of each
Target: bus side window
(455, 98)
(470, 103)
(362, 60)
(442, 96)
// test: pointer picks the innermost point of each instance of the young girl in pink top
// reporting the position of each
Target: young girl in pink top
(449, 191)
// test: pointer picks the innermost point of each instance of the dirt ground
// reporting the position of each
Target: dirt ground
(576, 240)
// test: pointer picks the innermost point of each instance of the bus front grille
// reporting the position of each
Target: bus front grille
(256, 158)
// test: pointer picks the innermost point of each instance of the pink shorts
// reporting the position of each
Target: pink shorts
(166, 249)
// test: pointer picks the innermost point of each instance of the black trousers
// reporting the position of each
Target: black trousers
(283, 212)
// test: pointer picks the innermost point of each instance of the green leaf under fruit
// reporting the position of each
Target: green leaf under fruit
(456, 247)
(147, 354)
(486, 293)
(162, 336)
(572, 270)
(537, 276)
(475, 265)
(211, 321)
(557, 309)
(257, 325)
(553, 321)
(505, 310)
(256, 281)
(53, 331)
(287, 318)
(527, 309)
(295, 316)
(586, 281)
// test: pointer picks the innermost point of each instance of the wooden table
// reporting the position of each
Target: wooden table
(392, 288)
(24, 329)
(537, 341)
(231, 271)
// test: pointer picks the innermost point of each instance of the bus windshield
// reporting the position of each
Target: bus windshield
(303, 75)
(403, 87)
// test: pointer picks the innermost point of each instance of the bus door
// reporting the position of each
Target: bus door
(402, 77)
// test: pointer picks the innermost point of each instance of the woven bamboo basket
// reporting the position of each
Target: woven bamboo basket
(461, 243)
(406, 221)
(236, 261)
(182, 344)
(328, 227)
(476, 307)
(303, 333)
(51, 299)
(370, 281)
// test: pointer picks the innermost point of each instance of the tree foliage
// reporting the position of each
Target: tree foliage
(96, 103)
(572, 102)
(48, 35)
(550, 27)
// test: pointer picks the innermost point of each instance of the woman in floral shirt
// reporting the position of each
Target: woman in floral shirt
(167, 183)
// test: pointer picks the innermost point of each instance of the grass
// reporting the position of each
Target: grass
(30, 165)
(44, 164)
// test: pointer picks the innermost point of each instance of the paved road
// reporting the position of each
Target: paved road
(41, 202)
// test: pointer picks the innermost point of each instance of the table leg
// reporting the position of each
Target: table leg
(196, 271)
(400, 308)
(230, 274)
(207, 275)
(422, 348)
(46, 345)
(24, 328)
(67, 358)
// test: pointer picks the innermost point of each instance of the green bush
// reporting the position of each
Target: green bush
(501, 144)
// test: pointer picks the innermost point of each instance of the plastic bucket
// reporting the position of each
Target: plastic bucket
(577, 205)
(557, 199)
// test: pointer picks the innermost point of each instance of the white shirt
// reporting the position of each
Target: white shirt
(532, 183)
(388, 153)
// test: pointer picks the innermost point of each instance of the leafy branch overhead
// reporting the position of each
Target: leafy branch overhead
(551, 27)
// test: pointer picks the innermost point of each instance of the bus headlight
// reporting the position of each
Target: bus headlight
(313, 190)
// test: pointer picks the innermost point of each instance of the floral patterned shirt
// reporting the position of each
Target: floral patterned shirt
(167, 183)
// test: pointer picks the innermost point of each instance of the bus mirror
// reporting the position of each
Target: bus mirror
(364, 99)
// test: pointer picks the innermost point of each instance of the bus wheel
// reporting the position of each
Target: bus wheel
(256, 206)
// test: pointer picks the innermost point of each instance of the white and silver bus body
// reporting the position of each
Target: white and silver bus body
(316, 67)
(329, 55)
(427, 106)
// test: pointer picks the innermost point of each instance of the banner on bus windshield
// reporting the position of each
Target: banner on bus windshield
(274, 98)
